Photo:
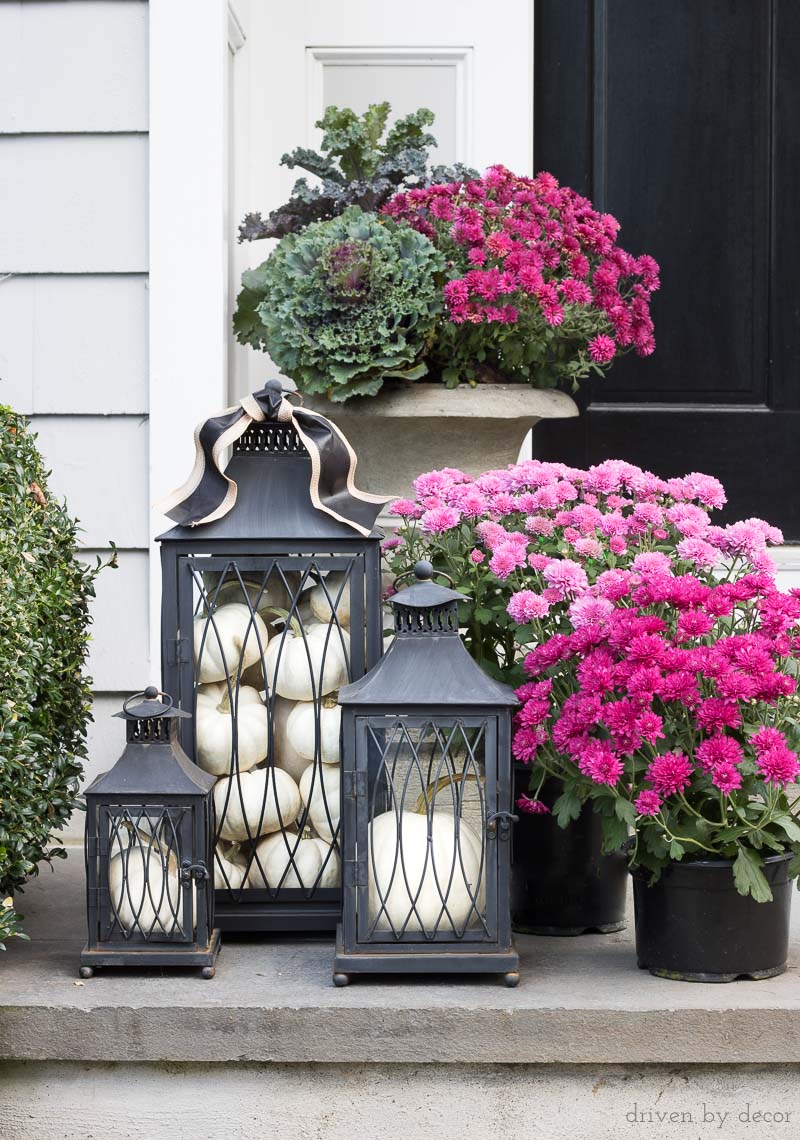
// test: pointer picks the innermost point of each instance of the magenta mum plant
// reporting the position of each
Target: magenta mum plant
(537, 290)
(656, 658)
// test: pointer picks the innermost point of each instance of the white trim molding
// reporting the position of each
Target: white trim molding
(188, 256)
(236, 33)
(459, 59)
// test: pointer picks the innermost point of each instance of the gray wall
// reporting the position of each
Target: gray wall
(73, 294)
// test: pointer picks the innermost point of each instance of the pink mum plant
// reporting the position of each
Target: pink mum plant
(537, 288)
(656, 659)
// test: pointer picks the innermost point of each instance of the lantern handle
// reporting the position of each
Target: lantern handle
(151, 693)
(423, 571)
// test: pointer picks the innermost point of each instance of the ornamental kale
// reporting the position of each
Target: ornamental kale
(358, 167)
(344, 304)
(658, 660)
(538, 290)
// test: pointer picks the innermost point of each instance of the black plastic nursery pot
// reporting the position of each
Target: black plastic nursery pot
(692, 924)
(561, 883)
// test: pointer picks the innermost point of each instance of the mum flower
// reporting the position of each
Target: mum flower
(566, 577)
(648, 802)
(778, 765)
(532, 807)
(526, 605)
(404, 509)
(726, 777)
(670, 773)
(440, 519)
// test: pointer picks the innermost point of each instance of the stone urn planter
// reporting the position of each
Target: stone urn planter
(408, 429)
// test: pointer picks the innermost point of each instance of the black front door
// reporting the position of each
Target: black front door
(682, 119)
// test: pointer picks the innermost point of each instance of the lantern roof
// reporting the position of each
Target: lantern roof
(272, 471)
(427, 663)
(153, 762)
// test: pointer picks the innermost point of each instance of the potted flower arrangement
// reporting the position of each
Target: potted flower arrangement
(552, 556)
(408, 304)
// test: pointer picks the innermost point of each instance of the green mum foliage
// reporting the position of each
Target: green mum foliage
(44, 635)
(344, 303)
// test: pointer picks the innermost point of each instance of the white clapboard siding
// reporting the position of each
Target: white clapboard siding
(119, 651)
(100, 465)
(105, 739)
(73, 203)
(74, 344)
(78, 66)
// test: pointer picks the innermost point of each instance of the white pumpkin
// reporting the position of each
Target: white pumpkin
(285, 755)
(230, 867)
(255, 878)
(228, 641)
(294, 664)
(320, 789)
(246, 794)
(301, 729)
(429, 864)
(324, 605)
(144, 890)
(214, 728)
(305, 861)
(274, 593)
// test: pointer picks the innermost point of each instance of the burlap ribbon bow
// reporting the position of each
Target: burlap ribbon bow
(209, 494)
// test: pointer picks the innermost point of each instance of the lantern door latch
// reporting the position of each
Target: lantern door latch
(178, 651)
(498, 824)
(354, 873)
(190, 871)
(354, 784)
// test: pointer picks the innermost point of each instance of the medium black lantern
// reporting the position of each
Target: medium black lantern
(271, 601)
(426, 768)
(149, 823)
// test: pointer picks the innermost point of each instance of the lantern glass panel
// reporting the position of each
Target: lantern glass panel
(426, 873)
(137, 854)
(145, 899)
(273, 636)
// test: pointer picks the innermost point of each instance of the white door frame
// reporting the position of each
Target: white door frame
(190, 41)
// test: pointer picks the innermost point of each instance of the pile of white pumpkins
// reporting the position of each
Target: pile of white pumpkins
(262, 802)
(277, 816)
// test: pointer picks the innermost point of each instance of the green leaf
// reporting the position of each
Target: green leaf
(749, 877)
(788, 826)
(676, 850)
(625, 810)
(567, 807)
(615, 833)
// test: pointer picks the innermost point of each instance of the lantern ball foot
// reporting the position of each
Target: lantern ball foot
(511, 978)
(208, 971)
(86, 971)
(341, 979)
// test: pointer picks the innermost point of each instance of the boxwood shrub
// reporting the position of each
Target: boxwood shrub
(44, 636)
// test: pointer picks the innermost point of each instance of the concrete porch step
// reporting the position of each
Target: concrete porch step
(580, 1000)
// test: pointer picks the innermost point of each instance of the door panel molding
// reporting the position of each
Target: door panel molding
(458, 59)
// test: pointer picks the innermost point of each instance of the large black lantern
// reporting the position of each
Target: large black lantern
(271, 602)
(149, 823)
(426, 770)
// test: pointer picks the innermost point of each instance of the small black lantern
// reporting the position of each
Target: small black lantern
(426, 770)
(271, 599)
(149, 825)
